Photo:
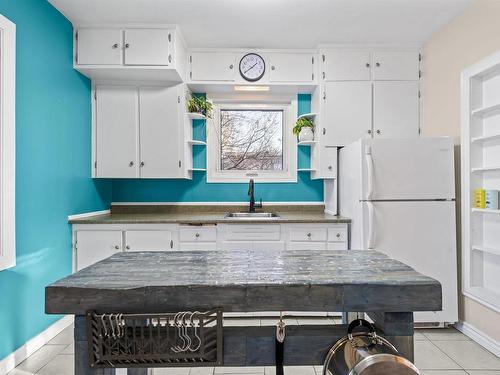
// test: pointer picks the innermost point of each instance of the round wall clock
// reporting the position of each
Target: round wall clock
(252, 67)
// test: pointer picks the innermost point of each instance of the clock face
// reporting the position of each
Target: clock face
(252, 67)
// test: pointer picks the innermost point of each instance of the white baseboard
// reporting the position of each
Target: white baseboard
(88, 214)
(480, 337)
(12, 360)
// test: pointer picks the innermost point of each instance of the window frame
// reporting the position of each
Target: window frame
(289, 172)
(7, 143)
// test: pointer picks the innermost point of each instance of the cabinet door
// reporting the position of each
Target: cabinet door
(328, 162)
(116, 131)
(99, 47)
(236, 245)
(347, 112)
(400, 65)
(269, 245)
(95, 245)
(147, 47)
(148, 240)
(395, 109)
(291, 67)
(160, 131)
(212, 66)
(341, 65)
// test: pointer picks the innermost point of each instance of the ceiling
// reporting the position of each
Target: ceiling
(276, 23)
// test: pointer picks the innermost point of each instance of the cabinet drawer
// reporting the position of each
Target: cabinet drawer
(208, 246)
(337, 234)
(336, 246)
(307, 246)
(197, 234)
(308, 234)
(148, 240)
(269, 245)
(270, 232)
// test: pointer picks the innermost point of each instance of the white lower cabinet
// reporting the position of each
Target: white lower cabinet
(94, 245)
(148, 240)
(94, 242)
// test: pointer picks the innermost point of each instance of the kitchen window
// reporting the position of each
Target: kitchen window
(7, 143)
(251, 140)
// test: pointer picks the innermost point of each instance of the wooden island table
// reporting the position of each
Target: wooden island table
(249, 281)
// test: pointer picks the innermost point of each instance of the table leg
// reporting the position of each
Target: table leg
(398, 329)
(82, 355)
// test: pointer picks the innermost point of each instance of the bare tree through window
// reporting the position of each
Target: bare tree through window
(251, 139)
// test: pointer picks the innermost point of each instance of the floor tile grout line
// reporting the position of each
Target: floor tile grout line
(442, 351)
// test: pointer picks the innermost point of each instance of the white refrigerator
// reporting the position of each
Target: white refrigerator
(400, 195)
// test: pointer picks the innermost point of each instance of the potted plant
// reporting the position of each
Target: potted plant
(304, 129)
(199, 104)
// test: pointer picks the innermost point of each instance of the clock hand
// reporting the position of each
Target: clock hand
(250, 68)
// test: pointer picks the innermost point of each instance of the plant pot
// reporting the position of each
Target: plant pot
(306, 134)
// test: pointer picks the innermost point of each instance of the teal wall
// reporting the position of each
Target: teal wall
(198, 190)
(52, 166)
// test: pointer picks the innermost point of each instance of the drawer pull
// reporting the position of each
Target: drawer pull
(117, 247)
(309, 235)
(338, 235)
(127, 247)
(197, 235)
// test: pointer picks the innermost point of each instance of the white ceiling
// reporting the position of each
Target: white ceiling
(276, 23)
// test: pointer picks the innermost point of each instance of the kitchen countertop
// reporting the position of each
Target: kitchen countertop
(206, 215)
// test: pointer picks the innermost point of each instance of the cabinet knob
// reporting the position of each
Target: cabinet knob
(169, 58)
(309, 235)
(324, 75)
(127, 45)
(367, 65)
(131, 164)
(231, 66)
(378, 131)
(117, 247)
(369, 131)
(338, 235)
(115, 46)
(127, 247)
(330, 167)
(273, 67)
(197, 235)
(377, 64)
(324, 131)
(142, 164)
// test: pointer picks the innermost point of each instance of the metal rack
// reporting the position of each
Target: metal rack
(155, 340)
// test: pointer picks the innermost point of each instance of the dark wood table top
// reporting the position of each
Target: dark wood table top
(241, 281)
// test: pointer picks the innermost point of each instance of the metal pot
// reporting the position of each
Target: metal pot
(365, 353)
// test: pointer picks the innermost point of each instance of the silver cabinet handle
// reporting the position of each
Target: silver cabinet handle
(378, 131)
(117, 247)
(377, 64)
(142, 164)
(169, 58)
(197, 235)
(127, 247)
(127, 45)
(324, 131)
(115, 46)
(330, 167)
(309, 235)
(273, 67)
(369, 131)
(231, 66)
(324, 75)
(367, 65)
(338, 235)
(131, 164)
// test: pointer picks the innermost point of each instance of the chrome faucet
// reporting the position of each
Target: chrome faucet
(252, 206)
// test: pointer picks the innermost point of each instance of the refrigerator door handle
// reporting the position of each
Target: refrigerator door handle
(371, 232)
(369, 167)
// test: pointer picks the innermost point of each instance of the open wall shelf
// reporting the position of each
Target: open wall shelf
(481, 170)
(307, 143)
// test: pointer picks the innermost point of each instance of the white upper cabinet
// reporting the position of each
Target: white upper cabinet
(160, 132)
(212, 66)
(291, 67)
(346, 112)
(147, 47)
(116, 124)
(99, 46)
(140, 132)
(396, 65)
(346, 65)
(395, 109)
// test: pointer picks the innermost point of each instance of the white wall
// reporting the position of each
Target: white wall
(467, 39)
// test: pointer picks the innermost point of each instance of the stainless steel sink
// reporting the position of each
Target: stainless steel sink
(252, 215)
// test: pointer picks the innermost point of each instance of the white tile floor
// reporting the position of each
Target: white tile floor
(437, 352)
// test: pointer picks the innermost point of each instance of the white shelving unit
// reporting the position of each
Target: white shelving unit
(308, 115)
(196, 142)
(196, 116)
(307, 143)
(481, 170)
